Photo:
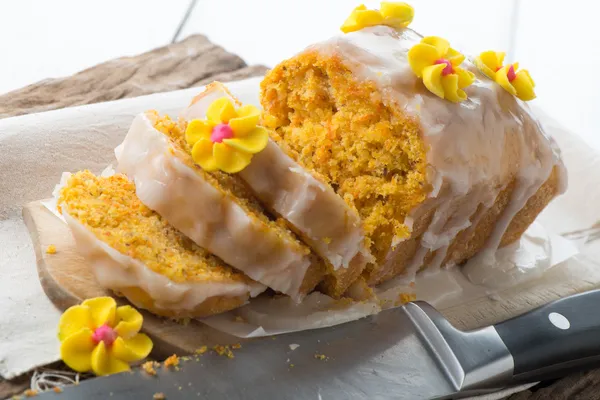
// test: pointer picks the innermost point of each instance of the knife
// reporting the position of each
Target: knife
(410, 352)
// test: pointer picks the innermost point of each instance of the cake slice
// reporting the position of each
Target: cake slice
(433, 181)
(136, 253)
(214, 209)
(310, 207)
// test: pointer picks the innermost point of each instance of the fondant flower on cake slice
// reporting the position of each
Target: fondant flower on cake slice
(437, 64)
(228, 138)
(517, 83)
(394, 14)
(100, 337)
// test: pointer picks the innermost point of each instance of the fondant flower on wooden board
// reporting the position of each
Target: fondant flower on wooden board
(100, 337)
(438, 65)
(394, 14)
(228, 138)
(517, 83)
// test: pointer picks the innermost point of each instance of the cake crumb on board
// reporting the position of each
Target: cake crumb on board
(159, 396)
(201, 350)
(51, 249)
(30, 393)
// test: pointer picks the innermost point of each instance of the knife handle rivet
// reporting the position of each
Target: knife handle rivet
(559, 320)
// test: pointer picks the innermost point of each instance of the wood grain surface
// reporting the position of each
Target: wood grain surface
(191, 62)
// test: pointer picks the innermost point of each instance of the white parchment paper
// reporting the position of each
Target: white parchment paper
(36, 149)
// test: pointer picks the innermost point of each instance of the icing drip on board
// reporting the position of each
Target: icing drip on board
(476, 148)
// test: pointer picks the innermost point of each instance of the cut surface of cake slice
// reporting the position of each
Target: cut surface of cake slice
(214, 209)
(434, 182)
(136, 253)
(310, 207)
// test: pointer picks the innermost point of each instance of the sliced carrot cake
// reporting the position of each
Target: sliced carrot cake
(211, 205)
(136, 253)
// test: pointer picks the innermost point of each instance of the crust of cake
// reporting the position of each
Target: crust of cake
(212, 216)
(211, 306)
(469, 241)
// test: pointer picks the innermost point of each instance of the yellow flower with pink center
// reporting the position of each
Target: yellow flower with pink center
(394, 14)
(438, 65)
(97, 336)
(516, 82)
(228, 138)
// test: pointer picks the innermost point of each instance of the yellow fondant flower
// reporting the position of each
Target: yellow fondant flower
(438, 64)
(100, 337)
(228, 138)
(396, 15)
(517, 83)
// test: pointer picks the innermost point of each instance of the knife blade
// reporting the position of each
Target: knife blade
(410, 352)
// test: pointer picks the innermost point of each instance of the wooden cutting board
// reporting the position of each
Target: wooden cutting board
(67, 279)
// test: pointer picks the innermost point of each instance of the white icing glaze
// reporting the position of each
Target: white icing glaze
(327, 224)
(209, 217)
(475, 148)
(117, 271)
(525, 259)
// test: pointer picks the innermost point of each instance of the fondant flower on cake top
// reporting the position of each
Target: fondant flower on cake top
(517, 83)
(228, 138)
(437, 64)
(100, 337)
(394, 14)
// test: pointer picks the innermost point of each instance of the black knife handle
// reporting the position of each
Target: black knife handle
(555, 339)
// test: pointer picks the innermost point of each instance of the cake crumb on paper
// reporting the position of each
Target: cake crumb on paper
(239, 319)
(172, 361)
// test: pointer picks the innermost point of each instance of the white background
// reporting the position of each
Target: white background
(556, 40)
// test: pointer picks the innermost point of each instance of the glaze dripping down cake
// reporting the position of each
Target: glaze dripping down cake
(434, 181)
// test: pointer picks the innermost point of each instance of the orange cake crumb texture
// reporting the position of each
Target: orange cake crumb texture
(371, 155)
(172, 361)
(109, 207)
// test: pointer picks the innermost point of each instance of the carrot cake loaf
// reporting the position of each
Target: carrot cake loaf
(438, 156)
(210, 205)
(136, 253)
